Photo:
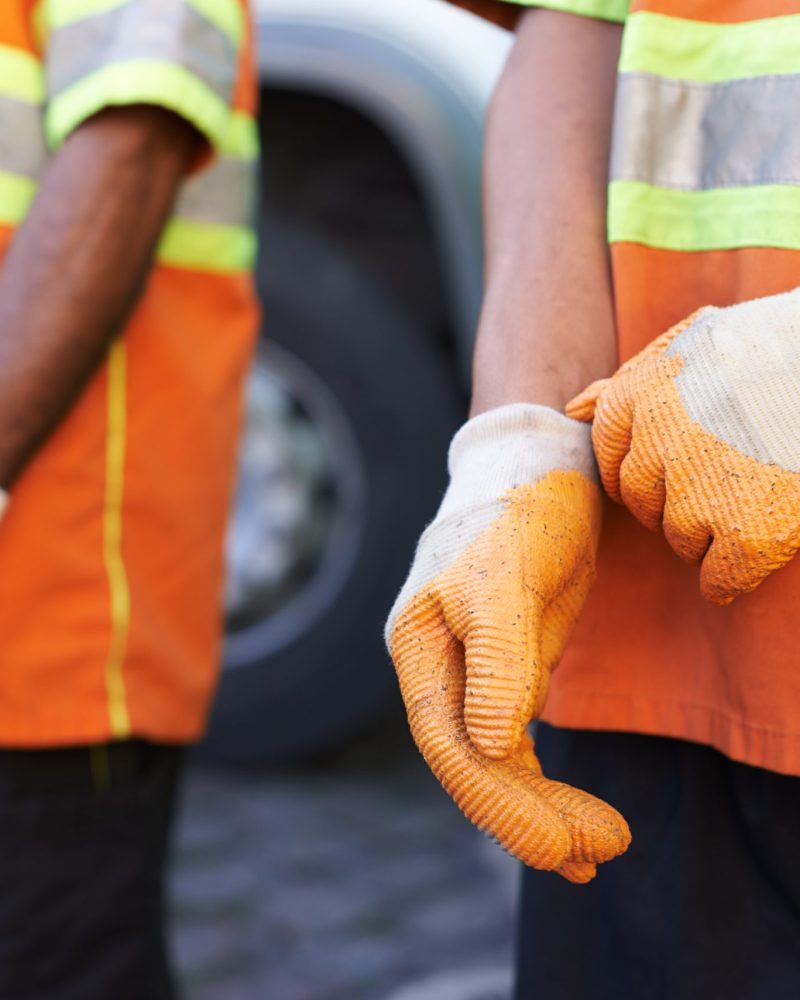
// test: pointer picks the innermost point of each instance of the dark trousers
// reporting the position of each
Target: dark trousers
(706, 903)
(83, 840)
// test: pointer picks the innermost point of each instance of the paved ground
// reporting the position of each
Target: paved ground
(345, 881)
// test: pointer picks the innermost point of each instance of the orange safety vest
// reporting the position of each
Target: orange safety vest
(111, 548)
(704, 209)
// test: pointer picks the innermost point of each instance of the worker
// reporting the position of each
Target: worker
(127, 317)
(641, 172)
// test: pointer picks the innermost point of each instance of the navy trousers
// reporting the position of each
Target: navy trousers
(83, 843)
(706, 903)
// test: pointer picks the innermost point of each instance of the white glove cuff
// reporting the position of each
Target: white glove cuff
(490, 455)
(511, 445)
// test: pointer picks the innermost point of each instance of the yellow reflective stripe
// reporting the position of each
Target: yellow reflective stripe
(716, 219)
(55, 14)
(606, 10)
(16, 195)
(204, 246)
(119, 594)
(240, 141)
(707, 53)
(140, 81)
(21, 75)
(226, 15)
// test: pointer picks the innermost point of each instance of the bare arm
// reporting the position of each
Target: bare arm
(547, 324)
(78, 264)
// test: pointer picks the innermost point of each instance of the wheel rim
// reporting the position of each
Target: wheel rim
(299, 509)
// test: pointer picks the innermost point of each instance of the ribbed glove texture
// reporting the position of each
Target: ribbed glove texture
(498, 581)
(699, 435)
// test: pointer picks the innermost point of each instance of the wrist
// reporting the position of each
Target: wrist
(528, 350)
(486, 398)
(511, 380)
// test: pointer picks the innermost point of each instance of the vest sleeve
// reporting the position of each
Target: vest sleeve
(507, 12)
(181, 55)
(496, 11)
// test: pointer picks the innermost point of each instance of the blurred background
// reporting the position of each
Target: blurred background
(316, 857)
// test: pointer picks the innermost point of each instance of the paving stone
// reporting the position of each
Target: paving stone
(227, 886)
(213, 951)
(316, 907)
(341, 882)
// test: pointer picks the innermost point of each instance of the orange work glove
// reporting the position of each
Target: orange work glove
(699, 434)
(498, 580)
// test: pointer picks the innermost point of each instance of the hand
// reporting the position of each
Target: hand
(497, 583)
(699, 434)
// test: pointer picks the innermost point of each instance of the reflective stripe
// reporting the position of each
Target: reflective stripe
(16, 196)
(192, 243)
(718, 219)
(692, 136)
(241, 137)
(705, 52)
(227, 15)
(224, 193)
(200, 246)
(146, 81)
(118, 590)
(22, 146)
(21, 75)
(173, 33)
(55, 14)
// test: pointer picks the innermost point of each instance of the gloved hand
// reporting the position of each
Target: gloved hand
(699, 434)
(498, 580)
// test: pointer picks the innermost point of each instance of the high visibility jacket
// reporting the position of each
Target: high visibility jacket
(703, 209)
(111, 550)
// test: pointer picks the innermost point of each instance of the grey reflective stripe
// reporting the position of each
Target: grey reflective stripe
(694, 136)
(169, 30)
(225, 193)
(22, 146)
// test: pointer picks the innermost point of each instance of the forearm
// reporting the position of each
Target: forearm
(78, 263)
(547, 323)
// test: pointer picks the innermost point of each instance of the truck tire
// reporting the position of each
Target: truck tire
(304, 691)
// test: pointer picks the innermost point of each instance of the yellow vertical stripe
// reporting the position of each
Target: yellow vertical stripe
(99, 766)
(119, 594)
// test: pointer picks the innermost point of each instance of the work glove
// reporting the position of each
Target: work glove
(498, 580)
(699, 434)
